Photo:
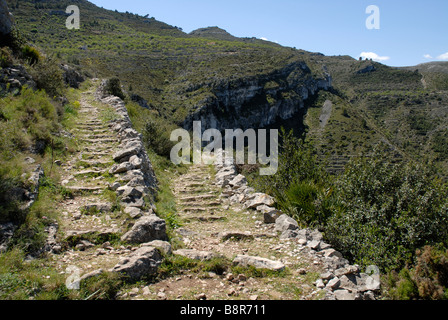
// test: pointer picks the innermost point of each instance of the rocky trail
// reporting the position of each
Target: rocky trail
(110, 225)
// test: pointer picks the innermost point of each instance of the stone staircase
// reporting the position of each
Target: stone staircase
(109, 224)
(105, 205)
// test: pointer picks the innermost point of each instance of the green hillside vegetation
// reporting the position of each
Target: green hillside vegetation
(370, 171)
(173, 71)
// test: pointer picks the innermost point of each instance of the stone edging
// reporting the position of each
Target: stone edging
(340, 281)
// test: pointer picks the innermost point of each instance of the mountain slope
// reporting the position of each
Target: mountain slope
(231, 82)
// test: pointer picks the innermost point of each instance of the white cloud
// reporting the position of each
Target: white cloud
(265, 39)
(427, 56)
(443, 56)
(373, 56)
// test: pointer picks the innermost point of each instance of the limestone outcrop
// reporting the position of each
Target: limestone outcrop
(6, 21)
(257, 102)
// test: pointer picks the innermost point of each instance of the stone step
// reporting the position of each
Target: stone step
(202, 204)
(92, 131)
(198, 198)
(99, 163)
(204, 218)
(200, 209)
(191, 192)
(82, 189)
(99, 136)
(89, 172)
(100, 140)
(93, 126)
(192, 184)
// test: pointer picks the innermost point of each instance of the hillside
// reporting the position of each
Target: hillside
(210, 74)
(364, 170)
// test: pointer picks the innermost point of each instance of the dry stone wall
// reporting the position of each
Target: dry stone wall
(136, 182)
(340, 281)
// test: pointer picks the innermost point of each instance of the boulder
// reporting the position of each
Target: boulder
(328, 253)
(130, 192)
(271, 216)
(238, 181)
(344, 295)
(127, 153)
(258, 263)
(334, 283)
(143, 262)
(315, 245)
(145, 230)
(121, 168)
(5, 19)
(163, 246)
(195, 254)
(259, 199)
(134, 213)
(284, 223)
(136, 162)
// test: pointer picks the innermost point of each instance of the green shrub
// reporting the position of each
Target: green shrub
(49, 77)
(31, 55)
(157, 133)
(427, 279)
(30, 118)
(6, 57)
(299, 185)
(387, 211)
(113, 87)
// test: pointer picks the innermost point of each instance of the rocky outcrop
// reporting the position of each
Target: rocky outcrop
(13, 79)
(71, 77)
(258, 101)
(6, 21)
(145, 230)
(143, 262)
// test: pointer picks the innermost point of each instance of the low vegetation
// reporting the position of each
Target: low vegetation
(393, 215)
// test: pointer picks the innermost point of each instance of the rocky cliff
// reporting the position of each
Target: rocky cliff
(5, 18)
(257, 102)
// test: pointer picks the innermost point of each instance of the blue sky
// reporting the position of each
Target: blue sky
(411, 32)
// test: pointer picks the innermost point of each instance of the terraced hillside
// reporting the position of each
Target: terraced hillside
(209, 74)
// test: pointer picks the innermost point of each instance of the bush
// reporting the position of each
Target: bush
(157, 135)
(6, 57)
(31, 55)
(49, 77)
(113, 87)
(30, 118)
(427, 280)
(300, 184)
(387, 211)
